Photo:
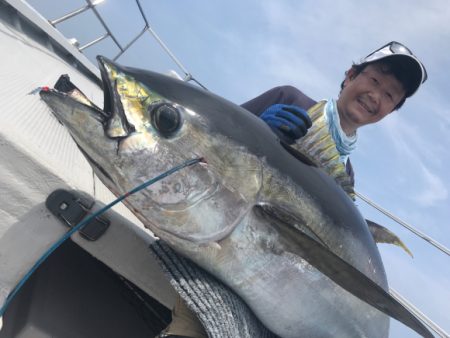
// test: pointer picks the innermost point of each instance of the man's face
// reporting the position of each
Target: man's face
(368, 97)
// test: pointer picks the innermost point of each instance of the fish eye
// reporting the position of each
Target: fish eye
(165, 118)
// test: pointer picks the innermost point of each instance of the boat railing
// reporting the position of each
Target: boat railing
(91, 5)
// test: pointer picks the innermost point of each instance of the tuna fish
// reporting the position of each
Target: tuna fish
(278, 231)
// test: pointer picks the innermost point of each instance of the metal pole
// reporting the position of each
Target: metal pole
(406, 225)
(419, 314)
(68, 16)
(93, 42)
(142, 13)
(167, 50)
(129, 44)
(105, 26)
(161, 43)
(188, 76)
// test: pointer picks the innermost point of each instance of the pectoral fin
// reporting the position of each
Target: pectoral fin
(381, 234)
(338, 270)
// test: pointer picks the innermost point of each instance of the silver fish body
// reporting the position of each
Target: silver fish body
(238, 215)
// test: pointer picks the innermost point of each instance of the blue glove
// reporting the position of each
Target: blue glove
(289, 122)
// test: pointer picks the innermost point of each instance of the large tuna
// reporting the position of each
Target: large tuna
(278, 231)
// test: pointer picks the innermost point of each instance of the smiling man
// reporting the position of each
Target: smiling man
(372, 89)
(386, 78)
(369, 97)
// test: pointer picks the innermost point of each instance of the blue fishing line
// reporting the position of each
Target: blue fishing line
(85, 221)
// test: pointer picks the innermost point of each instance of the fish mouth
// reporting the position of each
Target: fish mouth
(112, 116)
(117, 125)
(106, 84)
(65, 98)
(65, 93)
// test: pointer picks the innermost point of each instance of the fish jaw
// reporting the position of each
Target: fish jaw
(85, 124)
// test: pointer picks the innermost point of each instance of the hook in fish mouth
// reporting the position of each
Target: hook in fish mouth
(66, 97)
(65, 91)
(112, 116)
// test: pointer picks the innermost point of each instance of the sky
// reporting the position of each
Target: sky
(241, 48)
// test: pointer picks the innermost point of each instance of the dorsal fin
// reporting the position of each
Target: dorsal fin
(381, 234)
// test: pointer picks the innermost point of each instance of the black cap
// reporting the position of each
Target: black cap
(416, 70)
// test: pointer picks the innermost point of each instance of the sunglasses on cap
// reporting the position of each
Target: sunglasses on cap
(395, 48)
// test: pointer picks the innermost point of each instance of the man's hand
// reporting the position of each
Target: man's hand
(289, 122)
